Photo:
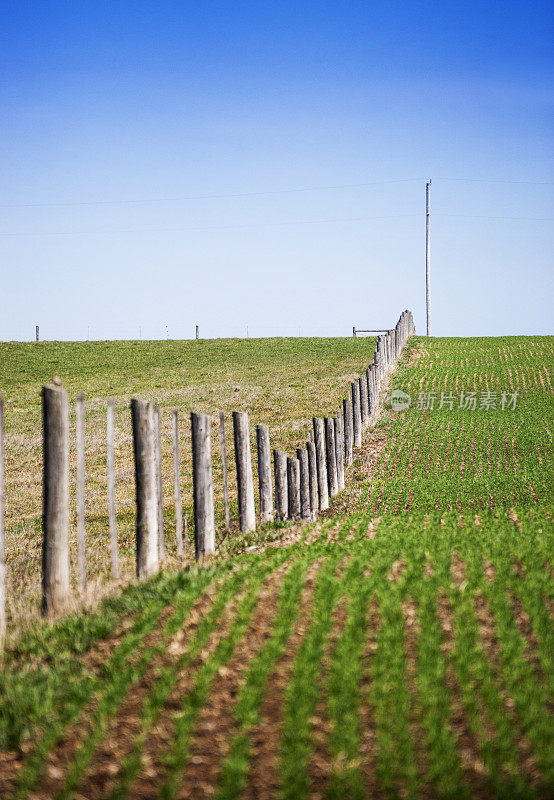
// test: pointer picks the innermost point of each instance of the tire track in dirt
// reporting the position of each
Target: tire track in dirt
(265, 738)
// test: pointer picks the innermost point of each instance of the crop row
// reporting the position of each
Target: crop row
(430, 610)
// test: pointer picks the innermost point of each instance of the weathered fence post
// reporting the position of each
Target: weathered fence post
(364, 411)
(331, 456)
(281, 488)
(142, 416)
(111, 490)
(312, 472)
(305, 506)
(224, 468)
(356, 414)
(55, 514)
(339, 451)
(293, 488)
(348, 429)
(177, 483)
(264, 473)
(80, 490)
(245, 481)
(158, 443)
(319, 440)
(203, 488)
(2, 532)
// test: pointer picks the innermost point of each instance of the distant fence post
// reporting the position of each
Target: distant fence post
(197, 332)
(356, 414)
(281, 487)
(305, 505)
(293, 486)
(146, 490)
(348, 429)
(339, 451)
(55, 517)
(177, 483)
(224, 468)
(37, 337)
(110, 428)
(203, 488)
(264, 473)
(158, 447)
(80, 490)
(245, 481)
(312, 472)
(2, 532)
(319, 439)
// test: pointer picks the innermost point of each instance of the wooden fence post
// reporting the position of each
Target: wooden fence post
(356, 414)
(204, 521)
(312, 472)
(348, 429)
(142, 415)
(339, 452)
(111, 490)
(322, 487)
(264, 473)
(331, 456)
(55, 516)
(305, 505)
(224, 468)
(158, 447)
(281, 487)
(177, 483)
(363, 400)
(293, 488)
(80, 490)
(245, 481)
(2, 532)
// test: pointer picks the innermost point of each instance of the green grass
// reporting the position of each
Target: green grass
(281, 382)
(461, 518)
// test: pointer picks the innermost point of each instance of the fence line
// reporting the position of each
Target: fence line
(304, 483)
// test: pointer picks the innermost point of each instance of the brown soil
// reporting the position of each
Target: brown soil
(319, 767)
(265, 737)
(101, 776)
(397, 570)
(369, 745)
(474, 769)
(12, 762)
(216, 722)
(61, 757)
(491, 646)
(411, 634)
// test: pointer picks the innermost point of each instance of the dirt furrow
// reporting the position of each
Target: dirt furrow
(369, 745)
(216, 724)
(265, 737)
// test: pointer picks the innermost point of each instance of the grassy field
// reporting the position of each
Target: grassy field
(399, 648)
(281, 382)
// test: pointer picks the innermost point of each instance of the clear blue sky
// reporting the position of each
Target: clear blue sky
(263, 164)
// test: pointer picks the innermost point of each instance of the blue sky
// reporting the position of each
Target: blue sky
(262, 166)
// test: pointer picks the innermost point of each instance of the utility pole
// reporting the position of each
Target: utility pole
(428, 254)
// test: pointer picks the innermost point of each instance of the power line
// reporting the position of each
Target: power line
(261, 193)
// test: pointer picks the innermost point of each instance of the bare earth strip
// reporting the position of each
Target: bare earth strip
(265, 738)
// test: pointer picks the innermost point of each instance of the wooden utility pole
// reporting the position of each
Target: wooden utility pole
(2, 533)
(428, 254)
